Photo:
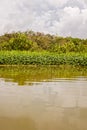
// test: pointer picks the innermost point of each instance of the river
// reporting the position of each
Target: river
(43, 98)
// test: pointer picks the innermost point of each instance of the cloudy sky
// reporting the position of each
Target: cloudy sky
(61, 17)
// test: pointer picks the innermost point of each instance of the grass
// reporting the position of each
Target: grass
(42, 58)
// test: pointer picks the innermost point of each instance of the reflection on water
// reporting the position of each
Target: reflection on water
(54, 100)
(33, 74)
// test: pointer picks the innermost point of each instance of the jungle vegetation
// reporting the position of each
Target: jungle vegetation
(27, 48)
(36, 41)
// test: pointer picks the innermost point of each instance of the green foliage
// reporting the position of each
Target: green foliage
(35, 41)
(42, 58)
(20, 42)
(42, 49)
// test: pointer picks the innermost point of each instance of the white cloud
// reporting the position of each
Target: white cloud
(62, 17)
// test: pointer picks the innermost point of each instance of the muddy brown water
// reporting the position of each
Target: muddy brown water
(43, 98)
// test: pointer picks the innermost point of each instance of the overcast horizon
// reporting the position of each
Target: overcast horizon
(61, 17)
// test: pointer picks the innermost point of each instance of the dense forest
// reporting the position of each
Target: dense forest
(35, 48)
(36, 41)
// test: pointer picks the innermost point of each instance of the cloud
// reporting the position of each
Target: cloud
(62, 17)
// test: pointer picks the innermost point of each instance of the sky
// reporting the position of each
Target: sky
(59, 17)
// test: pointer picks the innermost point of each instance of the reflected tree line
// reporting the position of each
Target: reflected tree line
(34, 74)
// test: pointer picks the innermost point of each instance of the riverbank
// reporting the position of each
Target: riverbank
(42, 58)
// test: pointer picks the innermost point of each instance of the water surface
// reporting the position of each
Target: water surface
(43, 98)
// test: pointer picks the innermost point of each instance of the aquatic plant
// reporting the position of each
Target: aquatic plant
(42, 58)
